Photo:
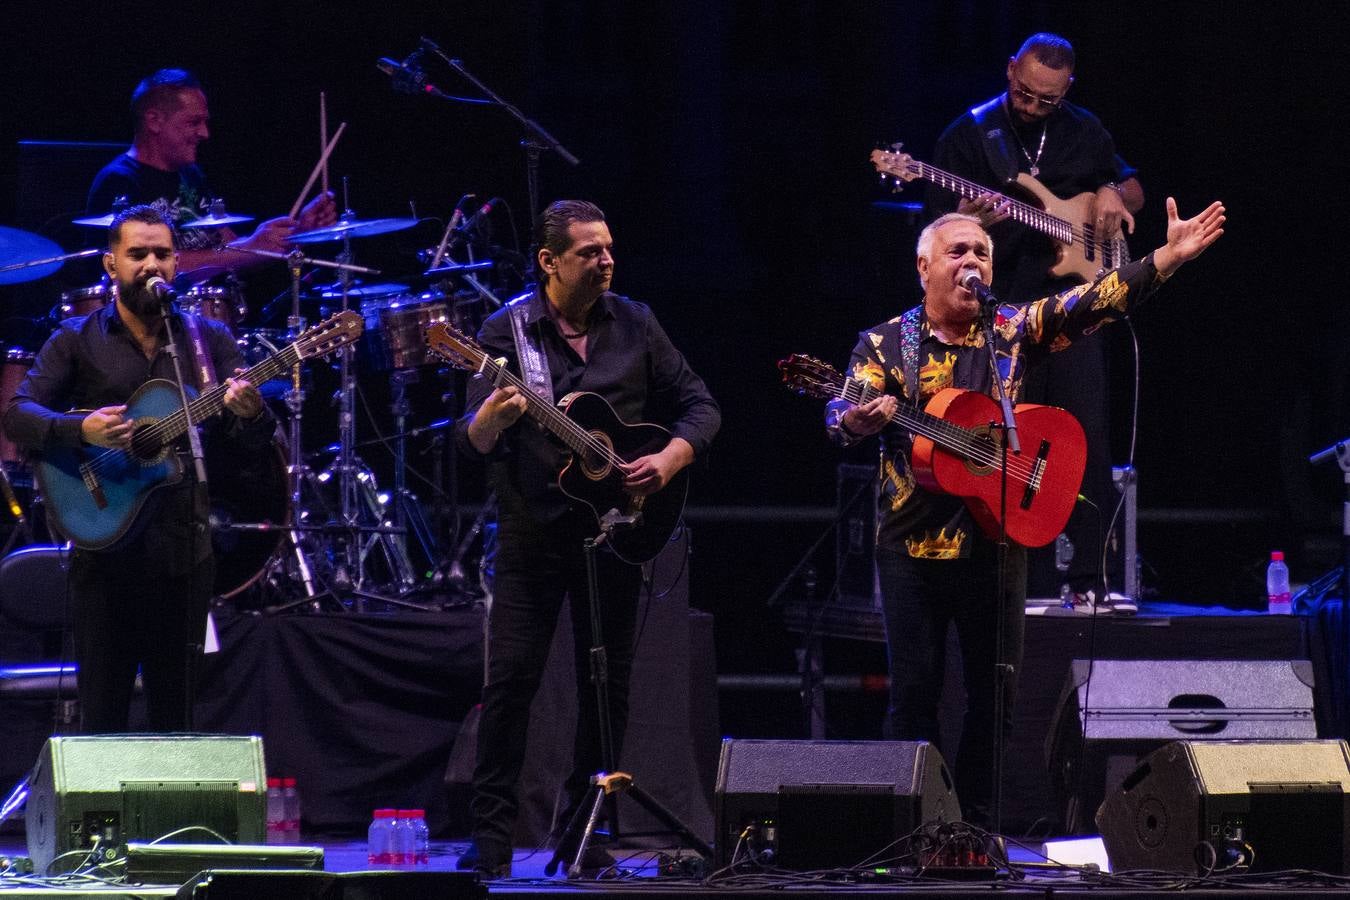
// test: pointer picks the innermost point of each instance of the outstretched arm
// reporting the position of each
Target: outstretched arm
(1187, 238)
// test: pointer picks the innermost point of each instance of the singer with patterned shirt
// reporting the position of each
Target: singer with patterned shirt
(935, 566)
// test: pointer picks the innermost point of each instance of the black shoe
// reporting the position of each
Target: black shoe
(489, 865)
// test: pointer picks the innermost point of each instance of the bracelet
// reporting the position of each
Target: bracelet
(1115, 187)
(848, 432)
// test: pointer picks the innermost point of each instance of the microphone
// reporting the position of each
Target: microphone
(458, 216)
(161, 289)
(473, 221)
(408, 76)
(970, 280)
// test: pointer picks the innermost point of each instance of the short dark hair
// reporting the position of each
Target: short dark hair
(143, 213)
(1051, 50)
(551, 232)
(160, 91)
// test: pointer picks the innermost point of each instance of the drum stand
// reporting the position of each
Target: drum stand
(408, 514)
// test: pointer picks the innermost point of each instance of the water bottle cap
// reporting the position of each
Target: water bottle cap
(417, 813)
(274, 782)
(405, 813)
(385, 813)
(288, 782)
(1277, 556)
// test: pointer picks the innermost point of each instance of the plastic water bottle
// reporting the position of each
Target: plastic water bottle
(290, 798)
(276, 813)
(380, 837)
(405, 851)
(1277, 585)
(421, 837)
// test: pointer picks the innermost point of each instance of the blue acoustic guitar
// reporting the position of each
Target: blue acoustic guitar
(94, 495)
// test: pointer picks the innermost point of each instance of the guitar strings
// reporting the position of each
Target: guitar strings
(206, 405)
(980, 451)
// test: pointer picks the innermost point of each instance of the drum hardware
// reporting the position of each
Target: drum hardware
(216, 217)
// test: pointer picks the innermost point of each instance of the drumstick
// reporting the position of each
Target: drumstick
(323, 161)
(323, 134)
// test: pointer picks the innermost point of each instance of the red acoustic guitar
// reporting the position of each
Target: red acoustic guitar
(958, 451)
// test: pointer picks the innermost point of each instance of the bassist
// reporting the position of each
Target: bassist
(1033, 128)
(935, 567)
(142, 602)
(582, 337)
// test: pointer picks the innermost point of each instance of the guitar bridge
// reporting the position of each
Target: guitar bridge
(92, 486)
(1037, 470)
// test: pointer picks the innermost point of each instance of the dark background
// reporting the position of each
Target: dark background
(728, 143)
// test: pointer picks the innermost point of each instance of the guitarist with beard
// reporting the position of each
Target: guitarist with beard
(582, 337)
(936, 569)
(1032, 128)
(142, 602)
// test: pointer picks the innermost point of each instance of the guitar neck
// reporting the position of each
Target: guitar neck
(547, 414)
(1028, 215)
(212, 400)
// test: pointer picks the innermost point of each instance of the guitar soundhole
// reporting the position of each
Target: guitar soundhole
(987, 445)
(146, 446)
(595, 460)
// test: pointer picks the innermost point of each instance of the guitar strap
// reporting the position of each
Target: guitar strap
(205, 367)
(533, 363)
(994, 134)
(909, 351)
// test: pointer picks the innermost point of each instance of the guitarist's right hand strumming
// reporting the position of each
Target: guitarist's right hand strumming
(108, 427)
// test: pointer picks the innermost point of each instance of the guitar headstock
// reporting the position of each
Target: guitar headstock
(338, 330)
(454, 346)
(894, 166)
(809, 376)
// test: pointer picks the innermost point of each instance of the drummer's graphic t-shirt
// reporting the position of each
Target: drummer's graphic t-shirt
(182, 196)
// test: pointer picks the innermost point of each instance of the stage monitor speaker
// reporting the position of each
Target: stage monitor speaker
(1211, 806)
(97, 793)
(825, 804)
(1114, 712)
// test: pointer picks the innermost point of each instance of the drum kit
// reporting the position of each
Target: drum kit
(288, 534)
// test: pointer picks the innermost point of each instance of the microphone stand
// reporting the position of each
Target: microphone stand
(193, 646)
(1002, 670)
(537, 141)
(1340, 451)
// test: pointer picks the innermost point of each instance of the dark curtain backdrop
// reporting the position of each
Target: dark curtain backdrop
(728, 142)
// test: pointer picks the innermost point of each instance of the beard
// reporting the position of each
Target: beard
(138, 298)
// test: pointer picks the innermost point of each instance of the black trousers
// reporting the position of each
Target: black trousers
(130, 613)
(536, 567)
(921, 599)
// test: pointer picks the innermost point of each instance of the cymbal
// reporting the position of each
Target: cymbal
(96, 221)
(351, 228)
(334, 290)
(17, 247)
(216, 221)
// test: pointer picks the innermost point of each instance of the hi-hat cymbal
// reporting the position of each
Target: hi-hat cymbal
(217, 221)
(351, 228)
(18, 247)
(96, 221)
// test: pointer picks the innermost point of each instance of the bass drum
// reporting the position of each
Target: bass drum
(242, 495)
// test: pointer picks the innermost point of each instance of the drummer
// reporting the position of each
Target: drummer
(160, 169)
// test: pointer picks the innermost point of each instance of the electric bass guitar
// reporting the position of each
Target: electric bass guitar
(95, 495)
(1080, 251)
(600, 444)
(957, 450)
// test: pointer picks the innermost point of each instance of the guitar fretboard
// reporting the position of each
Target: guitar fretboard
(1031, 216)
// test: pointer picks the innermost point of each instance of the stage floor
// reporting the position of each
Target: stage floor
(639, 872)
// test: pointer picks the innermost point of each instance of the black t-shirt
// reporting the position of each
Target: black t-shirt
(182, 196)
(1077, 155)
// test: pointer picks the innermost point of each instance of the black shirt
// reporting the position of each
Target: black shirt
(94, 361)
(181, 196)
(630, 362)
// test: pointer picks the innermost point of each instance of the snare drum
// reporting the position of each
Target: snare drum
(16, 365)
(83, 301)
(222, 302)
(394, 337)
